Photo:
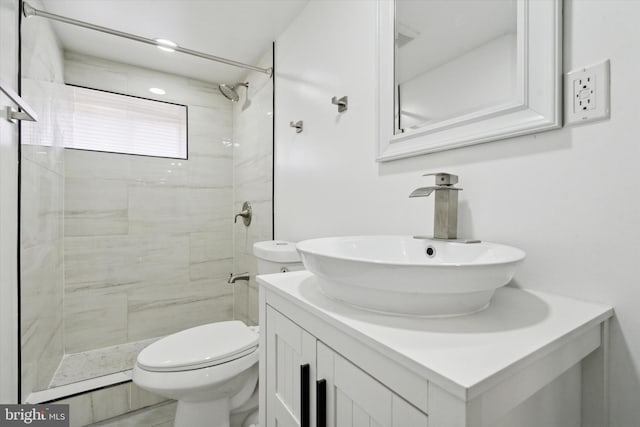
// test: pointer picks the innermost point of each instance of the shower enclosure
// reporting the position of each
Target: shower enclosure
(123, 240)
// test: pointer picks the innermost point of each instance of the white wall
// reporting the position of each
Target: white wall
(569, 197)
(9, 10)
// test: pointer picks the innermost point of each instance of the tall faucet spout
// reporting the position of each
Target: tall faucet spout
(424, 191)
(445, 224)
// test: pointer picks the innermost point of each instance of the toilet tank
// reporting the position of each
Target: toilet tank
(277, 256)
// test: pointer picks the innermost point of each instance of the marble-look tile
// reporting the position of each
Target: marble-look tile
(42, 202)
(177, 306)
(211, 245)
(80, 410)
(95, 207)
(259, 80)
(262, 230)
(211, 269)
(209, 171)
(241, 301)
(94, 318)
(101, 262)
(119, 77)
(52, 351)
(253, 181)
(82, 70)
(254, 306)
(157, 171)
(41, 52)
(142, 398)
(211, 254)
(85, 164)
(177, 210)
(83, 366)
(161, 415)
(110, 402)
(41, 275)
(211, 123)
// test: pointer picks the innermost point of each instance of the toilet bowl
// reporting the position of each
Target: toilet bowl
(211, 370)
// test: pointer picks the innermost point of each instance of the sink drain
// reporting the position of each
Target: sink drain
(430, 251)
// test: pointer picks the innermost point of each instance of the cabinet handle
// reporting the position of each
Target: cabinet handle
(305, 408)
(321, 399)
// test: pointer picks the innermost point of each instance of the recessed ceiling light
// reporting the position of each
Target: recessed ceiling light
(166, 45)
(157, 90)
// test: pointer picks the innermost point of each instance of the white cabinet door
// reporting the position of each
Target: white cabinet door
(355, 399)
(291, 367)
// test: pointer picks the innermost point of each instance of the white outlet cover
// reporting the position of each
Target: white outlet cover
(586, 94)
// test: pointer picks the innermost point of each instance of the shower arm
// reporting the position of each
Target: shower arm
(29, 10)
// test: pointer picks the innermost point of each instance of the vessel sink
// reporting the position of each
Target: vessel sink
(405, 275)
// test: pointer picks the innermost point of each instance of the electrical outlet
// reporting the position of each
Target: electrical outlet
(584, 96)
(587, 94)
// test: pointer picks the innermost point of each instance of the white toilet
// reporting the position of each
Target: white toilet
(277, 256)
(212, 370)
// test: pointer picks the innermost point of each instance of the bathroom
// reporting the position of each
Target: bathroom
(559, 195)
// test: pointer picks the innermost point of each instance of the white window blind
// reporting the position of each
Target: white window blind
(104, 121)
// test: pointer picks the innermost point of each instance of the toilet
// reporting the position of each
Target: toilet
(212, 369)
(277, 256)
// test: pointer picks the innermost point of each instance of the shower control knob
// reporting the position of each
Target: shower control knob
(246, 214)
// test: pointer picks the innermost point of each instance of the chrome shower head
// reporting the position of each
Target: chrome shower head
(229, 91)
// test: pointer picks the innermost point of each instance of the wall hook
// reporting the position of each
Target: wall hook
(298, 125)
(342, 103)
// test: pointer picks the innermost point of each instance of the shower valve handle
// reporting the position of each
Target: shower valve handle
(246, 214)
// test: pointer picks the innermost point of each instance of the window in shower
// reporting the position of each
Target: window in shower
(115, 123)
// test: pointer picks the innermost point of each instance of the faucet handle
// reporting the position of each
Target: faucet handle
(443, 178)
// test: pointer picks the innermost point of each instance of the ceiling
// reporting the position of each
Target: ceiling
(241, 30)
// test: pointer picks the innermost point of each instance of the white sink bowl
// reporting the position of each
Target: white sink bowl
(395, 274)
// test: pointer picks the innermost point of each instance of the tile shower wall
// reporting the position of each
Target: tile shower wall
(148, 241)
(42, 198)
(253, 179)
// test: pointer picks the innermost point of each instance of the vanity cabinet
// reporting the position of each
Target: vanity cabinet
(530, 359)
(309, 384)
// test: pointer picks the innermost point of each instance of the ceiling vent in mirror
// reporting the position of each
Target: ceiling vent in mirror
(405, 34)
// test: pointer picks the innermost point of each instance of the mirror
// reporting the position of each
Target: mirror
(471, 69)
(463, 72)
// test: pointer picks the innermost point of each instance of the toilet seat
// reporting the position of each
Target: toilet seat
(200, 347)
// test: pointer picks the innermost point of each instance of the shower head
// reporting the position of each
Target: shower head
(229, 91)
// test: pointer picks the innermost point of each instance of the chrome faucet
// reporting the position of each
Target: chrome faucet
(233, 278)
(445, 224)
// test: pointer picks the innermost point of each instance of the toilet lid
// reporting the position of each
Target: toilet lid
(276, 251)
(199, 347)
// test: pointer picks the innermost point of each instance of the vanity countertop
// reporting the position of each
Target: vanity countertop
(467, 354)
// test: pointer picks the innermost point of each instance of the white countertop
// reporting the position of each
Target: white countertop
(467, 350)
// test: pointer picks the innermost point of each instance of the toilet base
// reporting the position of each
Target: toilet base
(203, 414)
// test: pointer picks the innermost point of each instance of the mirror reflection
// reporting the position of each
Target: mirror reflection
(453, 59)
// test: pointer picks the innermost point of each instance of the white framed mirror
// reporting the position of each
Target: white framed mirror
(454, 73)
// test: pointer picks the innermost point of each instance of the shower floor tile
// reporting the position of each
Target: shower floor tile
(86, 365)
